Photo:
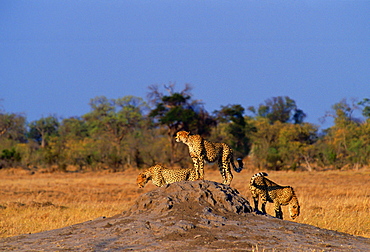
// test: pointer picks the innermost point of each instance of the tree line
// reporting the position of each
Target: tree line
(132, 132)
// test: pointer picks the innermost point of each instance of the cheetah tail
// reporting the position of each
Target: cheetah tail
(260, 174)
(240, 163)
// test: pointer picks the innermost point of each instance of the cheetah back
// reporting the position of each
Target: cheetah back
(161, 176)
(177, 175)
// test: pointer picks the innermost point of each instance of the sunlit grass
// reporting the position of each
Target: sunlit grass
(336, 200)
(30, 219)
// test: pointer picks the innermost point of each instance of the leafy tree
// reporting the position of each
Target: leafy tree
(12, 126)
(283, 145)
(236, 126)
(9, 158)
(42, 129)
(174, 110)
(114, 119)
(359, 146)
(343, 112)
(296, 144)
(282, 109)
(76, 142)
(345, 142)
(264, 151)
(73, 127)
(365, 103)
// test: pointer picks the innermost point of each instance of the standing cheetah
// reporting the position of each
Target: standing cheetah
(161, 176)
(201, 150)
(269, 191)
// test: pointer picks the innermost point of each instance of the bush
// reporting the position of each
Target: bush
(9, 158)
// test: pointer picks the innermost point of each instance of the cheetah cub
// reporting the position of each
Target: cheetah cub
(267, 190)
(161, 176)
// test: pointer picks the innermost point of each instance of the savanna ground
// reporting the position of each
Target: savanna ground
(31, 203)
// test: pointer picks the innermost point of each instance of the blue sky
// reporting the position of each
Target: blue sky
(57, 55)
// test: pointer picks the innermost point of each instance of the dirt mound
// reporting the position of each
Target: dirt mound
(190, 197)
(188, 216)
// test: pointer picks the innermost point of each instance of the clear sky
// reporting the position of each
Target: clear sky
(57, 55)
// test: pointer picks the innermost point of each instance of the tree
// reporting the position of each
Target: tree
(12, 131)
(346, 141)
(174, 110)
(264, 151)
(74, 127)
(114, 119)
(282, 109)
(365, 103)
(75, 141)
(343, 112)
(283, 145)
(115, 116)
(12, 126)
(236, 126)
(296, 144)
(42, 129)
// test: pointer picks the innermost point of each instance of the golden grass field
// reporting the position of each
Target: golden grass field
(336, 200)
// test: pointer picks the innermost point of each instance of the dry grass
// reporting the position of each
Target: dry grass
(337, 200)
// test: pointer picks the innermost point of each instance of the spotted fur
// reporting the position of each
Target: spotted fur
(267, 190)
(201, 150)
(161, 176)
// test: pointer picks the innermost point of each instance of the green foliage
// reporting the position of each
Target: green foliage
(41, 130)
(12, 126)
(9, 158)
(73, 128)
(347, 142)
(110, 122)
(365, 103)
(281, 145)
(121, 133)
(11, 154)
(282, 109)
(237, 128)
(176, 111)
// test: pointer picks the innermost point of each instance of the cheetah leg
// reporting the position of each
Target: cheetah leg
(263, 201)
(197, 168)
(222, 171)
(229, 175)
(201, 169)
(278, 212)
(255, 204)
(263, 207)
(226, 162)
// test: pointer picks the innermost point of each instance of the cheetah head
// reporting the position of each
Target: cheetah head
(182, 136)
(141, 180)
(294, 210)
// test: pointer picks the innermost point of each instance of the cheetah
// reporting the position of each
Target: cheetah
(161, 176)
(201, 150)
(274, 193)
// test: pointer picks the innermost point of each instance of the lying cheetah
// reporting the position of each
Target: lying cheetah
(161, 176)
(274, 193)
(201, 150)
